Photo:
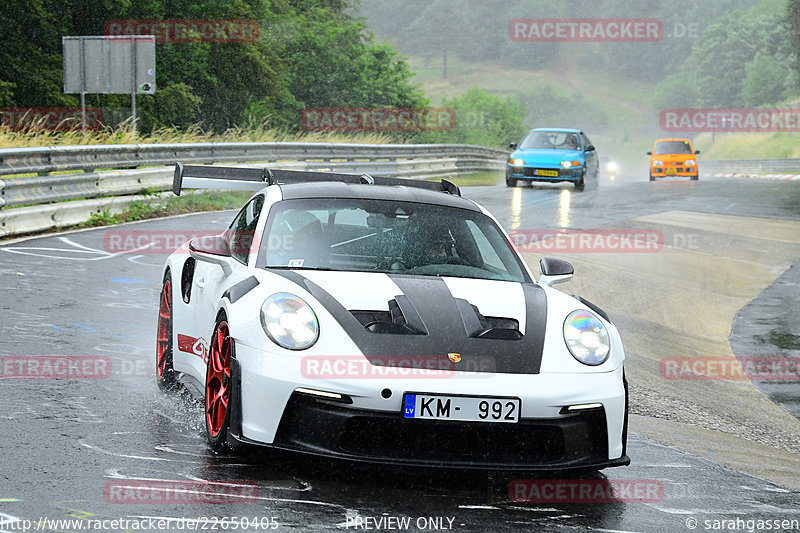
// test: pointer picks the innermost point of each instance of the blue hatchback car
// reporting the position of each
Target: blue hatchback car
(553, 154)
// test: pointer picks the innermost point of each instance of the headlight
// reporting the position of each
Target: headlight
(690, 163)
(289, 321)
(516, 162)
(568, 164)
(586, 338)
(612, 166)
(658, 163)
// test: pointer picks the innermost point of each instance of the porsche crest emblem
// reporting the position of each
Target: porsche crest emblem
(454, 357)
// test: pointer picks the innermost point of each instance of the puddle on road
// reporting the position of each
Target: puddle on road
(763, 328)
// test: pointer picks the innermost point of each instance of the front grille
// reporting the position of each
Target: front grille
(429, 440)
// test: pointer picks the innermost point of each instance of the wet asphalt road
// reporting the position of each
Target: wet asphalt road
(64, 442)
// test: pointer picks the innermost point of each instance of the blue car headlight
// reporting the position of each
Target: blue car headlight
(516, 162)
(289, 321)
(586, 338)
(570, 164)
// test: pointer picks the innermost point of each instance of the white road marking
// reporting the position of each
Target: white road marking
(76, 248)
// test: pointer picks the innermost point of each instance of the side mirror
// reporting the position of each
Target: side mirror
(552, 271)
(589, 148)
(513, 146)
(649, 153)
(213, 249)
(697, 151)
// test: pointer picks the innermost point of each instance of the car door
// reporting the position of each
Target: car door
(592, 160)
(210, 282)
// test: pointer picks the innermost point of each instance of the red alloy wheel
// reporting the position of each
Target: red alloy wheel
(218, 380)
(164, 326)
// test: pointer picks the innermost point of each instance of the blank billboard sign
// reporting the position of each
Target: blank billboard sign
(110, 64)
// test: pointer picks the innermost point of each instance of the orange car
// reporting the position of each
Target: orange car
(673, 157)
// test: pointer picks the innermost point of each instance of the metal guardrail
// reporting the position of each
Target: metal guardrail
(411, 160)
(756, 166)
(93, 157)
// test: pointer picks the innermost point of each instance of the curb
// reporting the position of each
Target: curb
(783, 177)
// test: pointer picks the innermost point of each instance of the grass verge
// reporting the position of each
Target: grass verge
(158, 207)
(123, 134)
(476, 179)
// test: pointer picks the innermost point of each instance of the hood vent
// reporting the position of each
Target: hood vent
(403, 319)
(482, 327)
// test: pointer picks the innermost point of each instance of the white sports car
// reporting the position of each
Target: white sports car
(386, 320)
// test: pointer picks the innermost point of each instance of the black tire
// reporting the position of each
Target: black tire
(580, 185)
(511, 182)
(694, 178)
(217, 379)
(165, 373)
(625, 421)
(652, 178)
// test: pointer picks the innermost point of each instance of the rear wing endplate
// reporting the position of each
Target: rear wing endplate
(255, 179)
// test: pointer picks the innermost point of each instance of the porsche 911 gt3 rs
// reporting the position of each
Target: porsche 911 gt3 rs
(386, 320)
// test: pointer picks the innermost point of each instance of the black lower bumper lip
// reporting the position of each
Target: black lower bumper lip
(499, 467)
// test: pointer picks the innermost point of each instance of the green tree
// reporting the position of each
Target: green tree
(31, 53)
(175, 105)
(765, 81)
(482, 118)
(333, 62)
(716, 65)
(309, 53)
(792, 22)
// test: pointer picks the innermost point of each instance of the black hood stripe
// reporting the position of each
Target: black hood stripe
(439, 312)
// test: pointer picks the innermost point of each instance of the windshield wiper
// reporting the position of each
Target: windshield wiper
(297, 268)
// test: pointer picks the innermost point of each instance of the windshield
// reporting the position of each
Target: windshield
(551, 140)
(387, 236)
(673, 147)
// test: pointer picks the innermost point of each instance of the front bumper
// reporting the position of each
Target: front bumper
(319, 427)
(369, 427)
(534, 173)
(668, 172)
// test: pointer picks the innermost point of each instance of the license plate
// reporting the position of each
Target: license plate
(671, 171)
(461, 408)
(547, 173)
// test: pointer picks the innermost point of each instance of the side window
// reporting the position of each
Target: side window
(243, 228)
(586, 141)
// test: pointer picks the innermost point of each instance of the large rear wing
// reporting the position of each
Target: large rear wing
(255, 179)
